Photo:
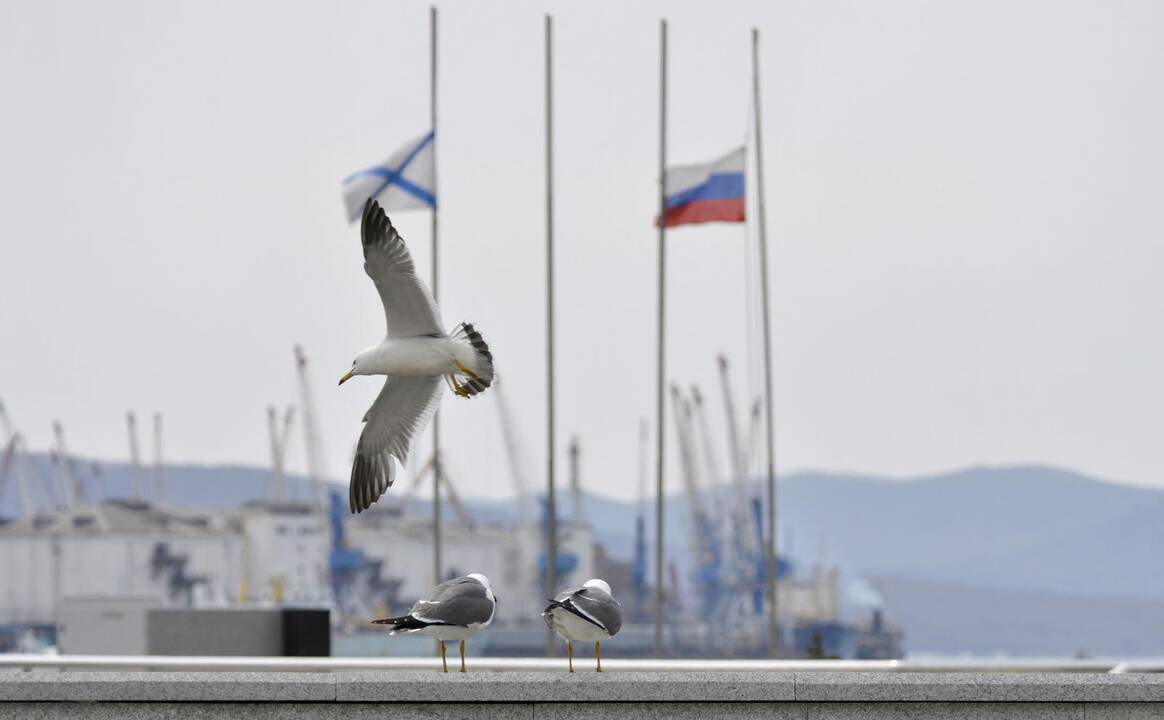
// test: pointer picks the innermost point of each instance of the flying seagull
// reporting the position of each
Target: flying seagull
(415, 355)
(588, 613)
(456, 609)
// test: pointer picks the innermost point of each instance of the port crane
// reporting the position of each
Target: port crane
(159, 469)
(65, 476)
(135, 457)
(11, 465)
(575, 451)
(311, 440)
(701, 530)
(639, 563)
(526, 508)
(19, 466)
(279, 435)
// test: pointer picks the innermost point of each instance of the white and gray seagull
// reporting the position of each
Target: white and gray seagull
(415, 355)
(588, 613)
(456, 609)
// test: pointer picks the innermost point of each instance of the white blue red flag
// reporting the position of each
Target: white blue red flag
(405, 180)
(708, 192)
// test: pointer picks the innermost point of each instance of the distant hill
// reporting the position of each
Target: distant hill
(1026, 528)
(1011, 538)
(949, 619)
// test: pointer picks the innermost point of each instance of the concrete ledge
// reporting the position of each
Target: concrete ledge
(262, 711)
(188, 687)
(979, 687)
(627, 694)
(564, 687)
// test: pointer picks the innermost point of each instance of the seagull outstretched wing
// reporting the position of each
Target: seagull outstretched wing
(400, 411)
(409, 308)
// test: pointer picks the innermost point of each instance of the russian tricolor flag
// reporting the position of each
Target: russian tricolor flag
(708, 192)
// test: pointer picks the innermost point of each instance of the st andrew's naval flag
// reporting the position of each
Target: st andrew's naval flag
(708, 192)
(403, 181)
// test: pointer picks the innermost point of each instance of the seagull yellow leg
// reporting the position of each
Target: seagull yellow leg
(598, 655)
(464, 369)
(462, 656)
(444, 663)
(570, 653)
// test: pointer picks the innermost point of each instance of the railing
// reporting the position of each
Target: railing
(494, 664)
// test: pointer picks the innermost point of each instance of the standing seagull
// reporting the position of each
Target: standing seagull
(415, 355)
(586, 613)
(456, 609)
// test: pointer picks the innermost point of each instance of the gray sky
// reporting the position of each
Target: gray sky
(964, 201)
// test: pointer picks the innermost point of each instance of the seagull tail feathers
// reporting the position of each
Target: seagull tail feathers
(481, 367)
(402, 624)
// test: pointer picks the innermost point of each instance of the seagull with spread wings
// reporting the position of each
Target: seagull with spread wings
(416, 355)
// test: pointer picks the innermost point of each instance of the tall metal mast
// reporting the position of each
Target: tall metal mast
(770, 440)
(551, 500)
(659, 423)
(315, 461)
(437, 567)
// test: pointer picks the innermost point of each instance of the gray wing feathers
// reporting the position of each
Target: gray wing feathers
(460, 602)
(409, 308)
(402, 409)
(600, 607)
(593, 604)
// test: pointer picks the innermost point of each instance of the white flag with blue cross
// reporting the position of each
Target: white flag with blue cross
(405, 180)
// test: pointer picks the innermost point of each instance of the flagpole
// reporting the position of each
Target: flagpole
(659, 424)
(773, 627)
(551, 500)
(436, 426)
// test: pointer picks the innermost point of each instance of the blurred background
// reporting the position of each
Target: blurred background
(964, 239)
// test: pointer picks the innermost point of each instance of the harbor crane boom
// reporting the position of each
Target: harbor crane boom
(743, 514)
(278, 438)
(710, 459)
(64, 468)
(135, 456)
(15, 462)
(314, 447)
(525, 575)
(639, 566)
(701, 530)
(525, 502)
(446, 483)
(576, 481)
(159, 470)
(5, 423)
(7, 463)
(11, 467)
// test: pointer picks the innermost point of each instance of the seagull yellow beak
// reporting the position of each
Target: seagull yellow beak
(347, 376)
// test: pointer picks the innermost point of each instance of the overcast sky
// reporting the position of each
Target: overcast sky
(964, 199)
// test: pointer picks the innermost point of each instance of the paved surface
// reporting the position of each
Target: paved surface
(53, 695)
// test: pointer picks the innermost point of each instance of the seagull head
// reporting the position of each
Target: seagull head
(484, 581)
(358, 368)
(600, 584)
